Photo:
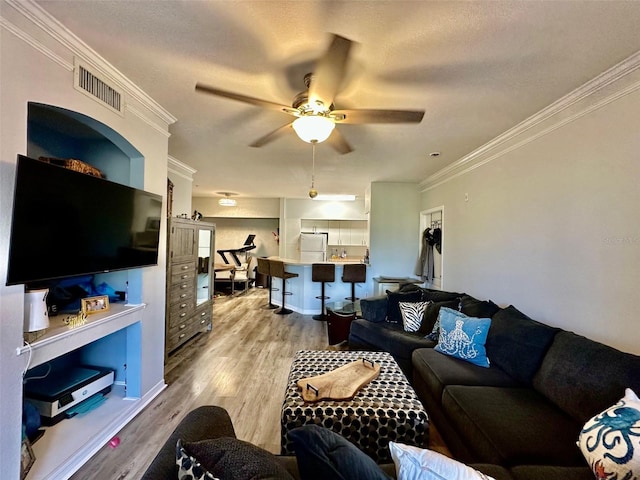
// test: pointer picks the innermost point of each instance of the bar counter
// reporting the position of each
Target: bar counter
(304, 291)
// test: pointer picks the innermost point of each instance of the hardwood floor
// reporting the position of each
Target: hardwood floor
(242, 365)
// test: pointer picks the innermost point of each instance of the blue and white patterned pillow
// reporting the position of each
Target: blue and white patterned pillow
(412, 315)
(463, 337)
(188, 467)
(610, 441)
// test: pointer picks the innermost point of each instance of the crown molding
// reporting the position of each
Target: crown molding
(47, 23)
(613, 84)
(180, 169)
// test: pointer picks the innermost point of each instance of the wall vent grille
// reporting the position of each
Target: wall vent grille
(94, 86)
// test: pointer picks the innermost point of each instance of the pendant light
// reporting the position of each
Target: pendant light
(227, 201)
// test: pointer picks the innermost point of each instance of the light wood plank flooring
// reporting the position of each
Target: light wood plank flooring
(242, 365)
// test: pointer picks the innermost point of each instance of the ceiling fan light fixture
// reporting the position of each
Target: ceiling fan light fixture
(227, 201)
(313, 128)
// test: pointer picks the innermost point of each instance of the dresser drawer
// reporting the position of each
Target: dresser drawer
(180, 313)
(183, 272)
(181, 292)
(203, 314)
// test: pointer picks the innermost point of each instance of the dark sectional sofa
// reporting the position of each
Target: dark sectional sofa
(528, 407)
(211, 422)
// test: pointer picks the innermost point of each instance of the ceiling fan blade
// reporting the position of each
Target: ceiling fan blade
(377, 116)
(329, 71)
(338, 142)
(271, 136)
(246, 99)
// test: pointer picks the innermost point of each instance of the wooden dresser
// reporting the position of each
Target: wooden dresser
(190, 250)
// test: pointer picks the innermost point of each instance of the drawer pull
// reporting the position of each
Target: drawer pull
(183, 314)
(183, 286)
(185, 267)
(183, 295)
(184, 276)
(203, 314)
(202, 322)
(181, 336)
(182, 305)
(182, 327)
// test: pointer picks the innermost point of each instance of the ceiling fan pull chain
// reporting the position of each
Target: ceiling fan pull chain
(313, 193)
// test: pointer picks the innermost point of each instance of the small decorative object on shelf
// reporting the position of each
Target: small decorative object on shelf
(91, 305)
(27, 458)
(75, 165)
(74, 321)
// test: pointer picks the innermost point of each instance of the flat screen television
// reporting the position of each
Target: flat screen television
(66, 223)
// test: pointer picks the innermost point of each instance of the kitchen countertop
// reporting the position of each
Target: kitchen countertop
(337, 261)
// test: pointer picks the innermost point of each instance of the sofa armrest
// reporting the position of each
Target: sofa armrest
(374, 309)
(202, 423)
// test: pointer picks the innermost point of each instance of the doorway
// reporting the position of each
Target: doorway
(433, 219)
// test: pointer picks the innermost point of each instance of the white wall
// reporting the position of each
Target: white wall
(246, 207)
(394, 224)
(182, 177)
(551, 222)
(35, 67)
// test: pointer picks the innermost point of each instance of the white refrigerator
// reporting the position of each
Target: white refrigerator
(313, 247)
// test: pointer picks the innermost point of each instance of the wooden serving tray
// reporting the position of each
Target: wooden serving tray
(339, 384)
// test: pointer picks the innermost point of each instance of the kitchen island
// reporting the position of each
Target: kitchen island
(304, 291)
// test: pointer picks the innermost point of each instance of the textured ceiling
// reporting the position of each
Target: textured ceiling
(476, 68)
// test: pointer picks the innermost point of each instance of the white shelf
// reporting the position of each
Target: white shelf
(68, 444)
(60, 338)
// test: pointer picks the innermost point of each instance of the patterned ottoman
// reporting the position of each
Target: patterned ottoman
(387, 409)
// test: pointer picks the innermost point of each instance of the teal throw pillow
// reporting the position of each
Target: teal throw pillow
(463, 337)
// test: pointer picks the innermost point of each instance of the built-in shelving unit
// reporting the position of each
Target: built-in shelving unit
(106, 339)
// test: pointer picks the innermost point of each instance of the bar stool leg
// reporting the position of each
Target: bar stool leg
(322, 316)
(283, 310)
(271, 306)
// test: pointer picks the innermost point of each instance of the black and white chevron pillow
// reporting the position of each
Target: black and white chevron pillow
(412, 315)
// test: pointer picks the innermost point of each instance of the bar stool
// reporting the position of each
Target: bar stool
(354, 273)
(276, 267)
(322, 272)
(263, 268)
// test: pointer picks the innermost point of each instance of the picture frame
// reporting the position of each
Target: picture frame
(97, 304)
(27, 458)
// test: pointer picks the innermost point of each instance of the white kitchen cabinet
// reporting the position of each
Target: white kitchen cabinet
(348, 232)
(334, 232)
(314, 226)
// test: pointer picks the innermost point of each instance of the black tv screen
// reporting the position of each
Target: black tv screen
(66, 223)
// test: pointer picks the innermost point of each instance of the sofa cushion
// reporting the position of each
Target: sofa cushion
(388, 337)
(324, 455)
(463, 337)
(413, 463)
(375, 309)
(394, 299)
(549, 472)
(513, 336)
(512, 426)
(583, 377)
(231, 459)
(440, 295)
(610, 441)
(431, 315)
(473, 307)
(439, 371)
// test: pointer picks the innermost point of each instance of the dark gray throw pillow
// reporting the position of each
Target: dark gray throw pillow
(431, 314)
(472, 307)
(393, 303)
(324, 455)
(228, 458)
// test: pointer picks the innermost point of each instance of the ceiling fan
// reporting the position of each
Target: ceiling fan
(314, 108)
